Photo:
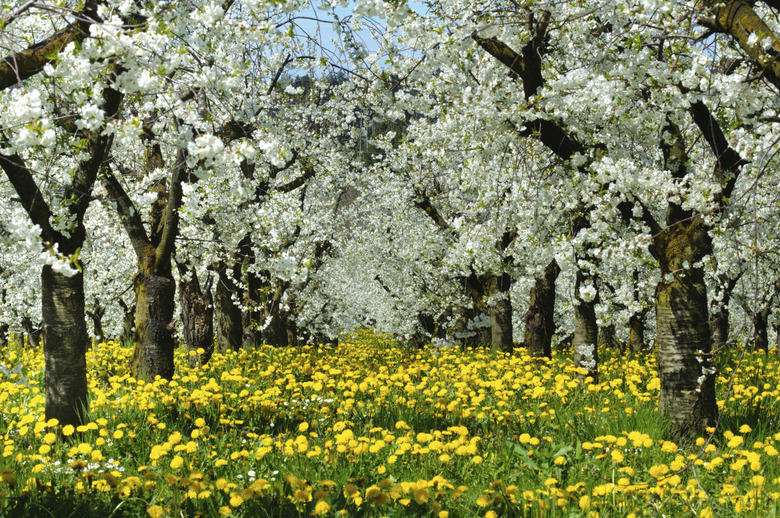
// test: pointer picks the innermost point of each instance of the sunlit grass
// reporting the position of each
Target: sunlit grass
(373, 428)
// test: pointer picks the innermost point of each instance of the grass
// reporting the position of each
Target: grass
(371, 428)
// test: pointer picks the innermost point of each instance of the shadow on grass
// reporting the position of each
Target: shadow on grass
(68, 504)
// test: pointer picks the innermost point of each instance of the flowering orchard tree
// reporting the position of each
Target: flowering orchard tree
(640, 117)
(60, 95)
(210, 135)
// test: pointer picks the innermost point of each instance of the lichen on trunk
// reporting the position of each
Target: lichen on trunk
(687, 396)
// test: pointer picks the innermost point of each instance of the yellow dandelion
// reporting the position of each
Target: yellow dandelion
(669, 447)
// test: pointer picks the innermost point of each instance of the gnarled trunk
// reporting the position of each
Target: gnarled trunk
(720, 315)
(540, 318)
(154, 326)
(197, 317)
(275, 318)
(65, 342)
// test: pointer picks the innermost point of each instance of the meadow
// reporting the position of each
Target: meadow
(372, 428)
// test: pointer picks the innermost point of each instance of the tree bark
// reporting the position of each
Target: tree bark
(33, 333)
(760, 331)
(586, 333)
(636, 332)
(154, 325)
(97, 322)
(275, 319)
(197, 316)
(4, 336)
(540, 318)
(128, 323)
(608, 340)
(684, 343)
(65, 342)
(229, 332)
(154, 285)
(501, 312)
(720, 314)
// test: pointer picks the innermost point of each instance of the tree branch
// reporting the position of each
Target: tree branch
(24, 64)
(128, 215)
(170, 222)
(31, 197)
(729, 162)
(738, 19)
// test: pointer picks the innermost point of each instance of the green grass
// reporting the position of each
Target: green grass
(372, 428)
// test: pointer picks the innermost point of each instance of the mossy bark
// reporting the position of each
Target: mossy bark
(687, 396)
(65, 343)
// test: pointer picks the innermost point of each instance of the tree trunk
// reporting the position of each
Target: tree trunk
(760, 334)
(97, 322)
(229, 332)
(65, 342)
(197, 316)
(501, 312)
(777, 340)
(608, 340)
(719, 327)
(154, 326)
(586, 333)
(275, 332)
(128, 323)
(33, 333)
(719, 317)
(4, 336)
(292, 333)
(683, 334)
(636, 332)
(275, 318)
(540, 318)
